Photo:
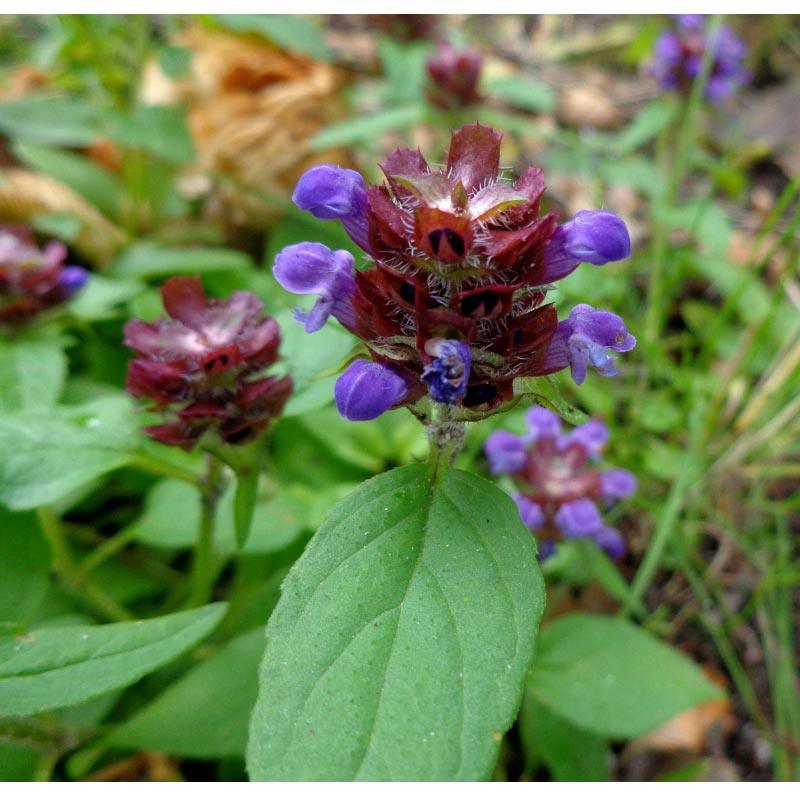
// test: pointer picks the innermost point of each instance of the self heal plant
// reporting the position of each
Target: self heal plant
(561, 487)
(33, 279)
(452, 306)
(404, 634)
(678, 58)
(205, 370)
(453, 77)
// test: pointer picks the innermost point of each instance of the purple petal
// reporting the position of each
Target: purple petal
(617, 484)
(530, 511)
(597, 237)
(592, 436)
(542, 424)
(448, 374)
(578, 518)
(313, 268)
(505, 453)
(610, 540)
(366, 389)
(73, 279)
(330, 192)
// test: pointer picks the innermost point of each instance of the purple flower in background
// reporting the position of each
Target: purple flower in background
(678, 57)
(312, 268)
(33, 279)
(558, 483)
(366, 389)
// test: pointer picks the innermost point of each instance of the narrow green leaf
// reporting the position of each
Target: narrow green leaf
(610, 677)
(205, 713)
(297, 33)
(360, 129)
(244, 503)
(546, 392)
(100, 187)
(45, 455)
(149, 260)
(649, 122)
(570, 753)
(60, 667)
(68, 122)
(399, 646)
(524, 92)
(32, 373)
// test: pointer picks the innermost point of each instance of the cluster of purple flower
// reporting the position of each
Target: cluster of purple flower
(452, 306)
(33, 280)
(558, 481)
(678, 57)
(204, 368)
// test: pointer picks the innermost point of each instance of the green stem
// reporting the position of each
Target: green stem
(202, 581)
(70, 574)
(445, 439)
(159, 466)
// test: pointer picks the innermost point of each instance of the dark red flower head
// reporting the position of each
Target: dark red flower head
(204, 368)
(453, 76)
(454, 303)
(33, 280)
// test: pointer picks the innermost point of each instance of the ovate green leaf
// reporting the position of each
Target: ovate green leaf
(606, 675)
(399, 645)
(32, 373)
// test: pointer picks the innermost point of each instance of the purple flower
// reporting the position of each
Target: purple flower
(617, 484)
(530, 511)
(330, 192)
(610, 540)
(592, 436)
(591, 337)
(542, 424)
(366, 389)
(73, 279)
(578, 519)
(448, 374)
(596, 237)
(505, 452)
(312, 268)
(678, 57)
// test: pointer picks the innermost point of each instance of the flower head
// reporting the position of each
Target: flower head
(461, 260)
(558, 484)
(33, 280)
(678, 57)
(203, 367)
(453, 76)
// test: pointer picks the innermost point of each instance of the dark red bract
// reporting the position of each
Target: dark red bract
(204, 368)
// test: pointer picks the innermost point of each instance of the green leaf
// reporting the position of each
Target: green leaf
(160, 130)
(546, 392)
(296, 33)
(365, 128)
(403, 65)
(570, 753)
(172, 516)
(100, 187)
(244, 503)
(649, 122)
(32, 373)
(606, 675)
(399, 646)
(59, 667)
(68, 122)
(24, 566)
(149, 260)
(205, 713)
(524, 92)
(45, 455)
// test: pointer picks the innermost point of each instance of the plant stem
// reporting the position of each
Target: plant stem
(445, 438)
(202, 581)
(70, 573)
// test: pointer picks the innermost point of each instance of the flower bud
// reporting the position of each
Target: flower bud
(366, 389)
